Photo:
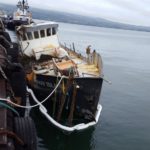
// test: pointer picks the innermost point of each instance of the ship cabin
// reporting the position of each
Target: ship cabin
(41, 40)
(22, 15)
(38, 38)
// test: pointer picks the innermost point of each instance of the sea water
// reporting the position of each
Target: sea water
(125, 119)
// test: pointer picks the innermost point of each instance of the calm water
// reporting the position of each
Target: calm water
(125, 120)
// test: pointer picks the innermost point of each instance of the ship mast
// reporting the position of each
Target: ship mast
(23, 6)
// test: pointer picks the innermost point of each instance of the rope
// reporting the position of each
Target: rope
(10, 108)
(3, 73)
(26, 47)
(9, 43)
(63, 98)
(13, 135)
(34, 97)
(3, 48)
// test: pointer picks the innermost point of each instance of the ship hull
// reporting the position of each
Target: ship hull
(84, 102)
(11, 25)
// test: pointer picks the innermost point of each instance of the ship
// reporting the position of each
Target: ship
(22, 16)
(64, 84)
(3, 15)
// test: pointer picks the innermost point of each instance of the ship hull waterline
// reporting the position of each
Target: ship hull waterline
(86, 110)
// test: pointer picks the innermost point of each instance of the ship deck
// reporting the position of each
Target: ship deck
(84, 68)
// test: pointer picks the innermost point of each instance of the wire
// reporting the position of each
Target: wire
(26, 47)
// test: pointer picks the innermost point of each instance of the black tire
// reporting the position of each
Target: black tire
(25, 130)
(18, 84)
(13, 53)
(2, 41)
(10, 26)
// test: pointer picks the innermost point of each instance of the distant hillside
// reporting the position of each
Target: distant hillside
(75, 19)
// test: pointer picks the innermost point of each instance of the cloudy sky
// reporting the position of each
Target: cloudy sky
(126, 11)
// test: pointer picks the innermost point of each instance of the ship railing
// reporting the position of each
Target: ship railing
(93, 58)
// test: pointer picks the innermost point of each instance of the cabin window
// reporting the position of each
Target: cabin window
(19, 37)
(29, 34)
(24, 38)
(36, 34)
(48, 32)
(53, 31)
(42, 32)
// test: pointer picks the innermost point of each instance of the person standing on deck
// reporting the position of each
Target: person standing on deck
(88, 51)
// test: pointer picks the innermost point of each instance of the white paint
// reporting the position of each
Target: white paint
(32, 46)
(38, 43)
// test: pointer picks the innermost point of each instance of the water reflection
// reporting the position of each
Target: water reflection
(50, 138)
(125, 120)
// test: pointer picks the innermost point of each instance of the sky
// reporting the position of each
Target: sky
(136, 12)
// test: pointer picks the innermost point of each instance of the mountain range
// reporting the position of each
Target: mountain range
(74, 19)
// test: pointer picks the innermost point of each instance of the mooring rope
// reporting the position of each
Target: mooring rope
(9, 107)
(3, 73)
(34, 97)
(13, 135)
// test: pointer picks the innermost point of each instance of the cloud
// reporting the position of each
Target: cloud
(126, 11)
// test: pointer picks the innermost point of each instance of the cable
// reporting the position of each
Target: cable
(34, 97)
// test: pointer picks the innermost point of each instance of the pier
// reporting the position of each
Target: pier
(17, 131)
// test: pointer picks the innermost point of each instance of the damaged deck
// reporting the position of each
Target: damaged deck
(93, 68)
